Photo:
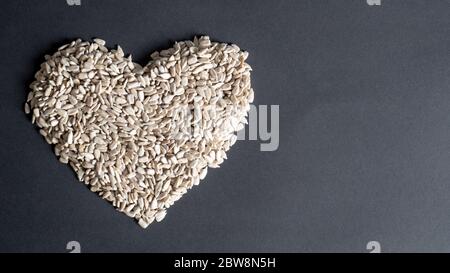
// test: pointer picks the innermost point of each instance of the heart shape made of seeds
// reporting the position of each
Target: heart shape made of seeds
(140, 137)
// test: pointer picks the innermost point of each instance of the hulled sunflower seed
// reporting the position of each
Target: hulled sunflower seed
(142, 136)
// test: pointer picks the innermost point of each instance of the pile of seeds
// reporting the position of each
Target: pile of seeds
(140, 137)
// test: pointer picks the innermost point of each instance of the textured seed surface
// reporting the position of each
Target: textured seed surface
(119, 124)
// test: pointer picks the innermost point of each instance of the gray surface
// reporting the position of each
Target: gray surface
(364, 129)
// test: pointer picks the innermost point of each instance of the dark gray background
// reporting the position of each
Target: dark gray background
(364, 95)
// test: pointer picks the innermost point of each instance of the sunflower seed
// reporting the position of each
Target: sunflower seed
(119, 124)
